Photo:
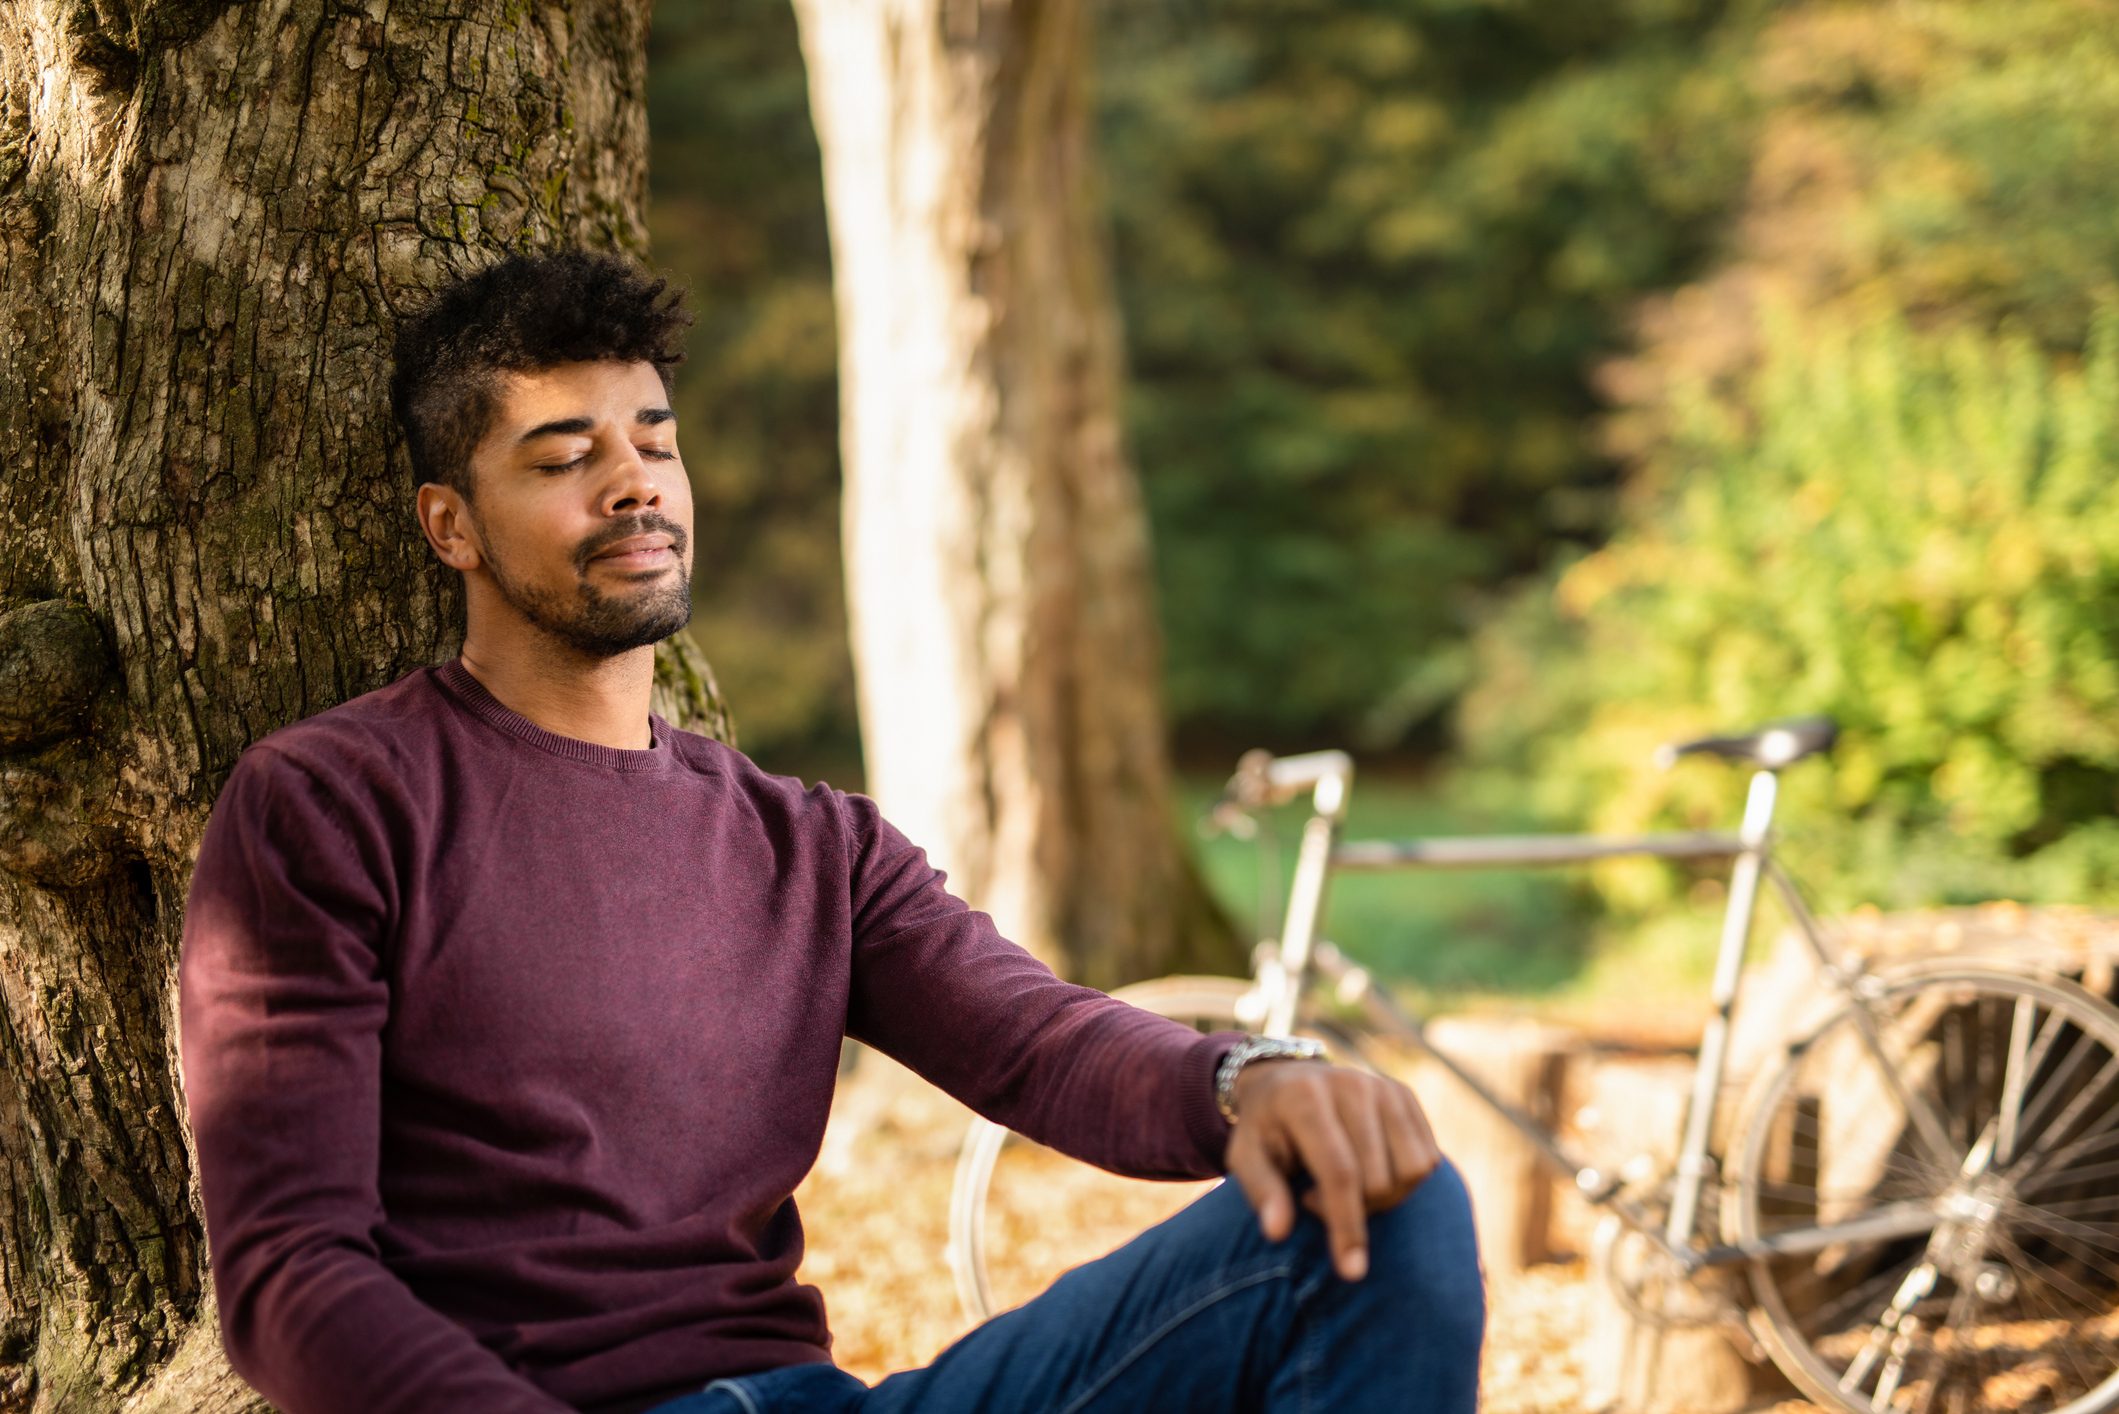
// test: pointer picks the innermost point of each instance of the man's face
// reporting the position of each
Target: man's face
(581, 508)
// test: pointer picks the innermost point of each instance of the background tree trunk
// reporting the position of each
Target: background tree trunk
(1003, 629)
(209, 214)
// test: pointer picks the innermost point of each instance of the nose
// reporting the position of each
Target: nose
(633, 484)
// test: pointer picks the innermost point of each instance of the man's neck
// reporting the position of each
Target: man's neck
(599, 700)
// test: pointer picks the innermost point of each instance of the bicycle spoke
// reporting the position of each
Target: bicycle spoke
(2049, 1177)
(2103, 1204)
(1898, 1176)
(1912, 1322)
(1927, 1124)
(2094, 1233)
(1951, 1070)
(1870, 1193)
(2017, 1075)
(2055, 1278)
(2027, 1061)
(1827, 1316)
(2040, 1293)
(2103, 1137)
(2074, 1232)
(2100, 1228)
(1914, 1166)
(2057, 1314)
(2083, 1098)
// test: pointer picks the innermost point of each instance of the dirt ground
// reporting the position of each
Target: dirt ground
(876, 1213)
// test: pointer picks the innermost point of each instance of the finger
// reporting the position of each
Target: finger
(1414, 1152)
(1263, 1183)
(1322, 1144)
(1365, 1110)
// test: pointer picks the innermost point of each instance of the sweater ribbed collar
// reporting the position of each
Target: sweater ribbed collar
(482, 704)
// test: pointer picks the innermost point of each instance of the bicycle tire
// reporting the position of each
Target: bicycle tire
(2007, 1299)
(1207, 1003)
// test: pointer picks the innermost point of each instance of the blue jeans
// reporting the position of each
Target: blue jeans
(1200, 1313)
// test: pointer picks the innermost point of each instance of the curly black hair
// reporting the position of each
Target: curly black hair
(525, 312)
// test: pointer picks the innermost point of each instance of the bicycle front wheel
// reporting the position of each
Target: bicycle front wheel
(1930, 1182)
(1021, 1214)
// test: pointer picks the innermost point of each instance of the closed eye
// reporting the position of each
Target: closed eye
(555, 467)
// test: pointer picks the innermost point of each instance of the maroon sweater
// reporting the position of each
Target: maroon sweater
(505, 1050)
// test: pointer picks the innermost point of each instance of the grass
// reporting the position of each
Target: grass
(1515, 939)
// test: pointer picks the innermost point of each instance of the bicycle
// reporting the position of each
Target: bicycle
(1922, 1187)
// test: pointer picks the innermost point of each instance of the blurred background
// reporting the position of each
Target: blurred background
(1514, 387)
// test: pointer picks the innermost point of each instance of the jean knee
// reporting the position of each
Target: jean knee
(1425, 1250)
(1226, 1218)
(1214, 1237)
(1429, 1236)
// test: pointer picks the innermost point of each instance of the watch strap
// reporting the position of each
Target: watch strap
(1257, 1048)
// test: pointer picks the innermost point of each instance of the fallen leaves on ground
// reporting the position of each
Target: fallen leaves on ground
(876, 1212)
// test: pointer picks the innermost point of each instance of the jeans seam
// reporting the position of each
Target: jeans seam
(1306, 1357)
(1220, 1293)
(750, 1406)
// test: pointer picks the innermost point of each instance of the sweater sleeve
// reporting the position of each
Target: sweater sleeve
(283, 1001)
(937, 987)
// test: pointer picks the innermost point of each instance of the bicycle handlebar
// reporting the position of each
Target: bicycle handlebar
(1263, 780)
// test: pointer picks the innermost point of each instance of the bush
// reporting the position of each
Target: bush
(1914, 532)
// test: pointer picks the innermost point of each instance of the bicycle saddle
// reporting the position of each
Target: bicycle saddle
(1770, 747)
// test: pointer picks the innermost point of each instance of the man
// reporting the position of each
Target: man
(511, 1014)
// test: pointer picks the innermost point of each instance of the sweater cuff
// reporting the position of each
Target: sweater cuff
(1203, 1119)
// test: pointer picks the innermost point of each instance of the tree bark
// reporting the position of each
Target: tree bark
(997, 556)
(210, 213)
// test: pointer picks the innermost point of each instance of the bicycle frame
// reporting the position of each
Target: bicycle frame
(1302, 958)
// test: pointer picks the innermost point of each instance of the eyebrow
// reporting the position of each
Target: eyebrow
(575, 426)
(563, 427)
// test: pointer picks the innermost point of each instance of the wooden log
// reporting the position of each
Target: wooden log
(1622, 1112)
(1643, 1369)
(1782, 994)
(1625, 1113)
(1525, 1062)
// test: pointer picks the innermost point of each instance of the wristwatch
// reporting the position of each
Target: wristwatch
(1257, 1048)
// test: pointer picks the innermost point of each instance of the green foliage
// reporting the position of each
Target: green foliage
(1368, 256)
(1952, 159)
(1911, 531)
(1873, 452)
(737, 211)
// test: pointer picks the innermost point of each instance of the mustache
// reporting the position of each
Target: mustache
(650, 524)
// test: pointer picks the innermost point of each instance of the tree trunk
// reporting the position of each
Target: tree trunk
(209, 213)
(997, 559)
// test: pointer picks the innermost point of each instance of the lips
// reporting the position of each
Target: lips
(637, 550)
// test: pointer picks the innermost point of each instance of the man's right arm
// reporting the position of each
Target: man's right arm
(284, 997)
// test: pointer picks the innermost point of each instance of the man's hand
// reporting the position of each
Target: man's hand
(1361, 1137)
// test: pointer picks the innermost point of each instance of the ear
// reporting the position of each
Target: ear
(444, 516)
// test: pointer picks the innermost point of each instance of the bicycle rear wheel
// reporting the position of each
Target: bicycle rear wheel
(1946, 1189)
(1021, 1214)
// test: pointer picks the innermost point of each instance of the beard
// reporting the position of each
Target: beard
(597, 624)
